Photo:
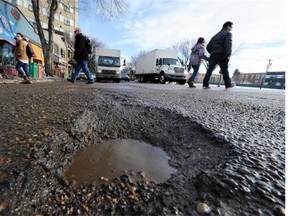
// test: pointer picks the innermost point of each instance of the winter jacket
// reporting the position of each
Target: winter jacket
(80, 52)
(220, 44)
(197, 53)
(20, 50)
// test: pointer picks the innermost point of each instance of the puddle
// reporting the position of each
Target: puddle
(115, 157)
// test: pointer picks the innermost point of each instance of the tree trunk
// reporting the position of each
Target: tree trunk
(47, 45)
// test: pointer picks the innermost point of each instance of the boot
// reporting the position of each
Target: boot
(191, 84)
(27, 80)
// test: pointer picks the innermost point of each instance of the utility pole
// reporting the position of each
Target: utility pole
(268, 66)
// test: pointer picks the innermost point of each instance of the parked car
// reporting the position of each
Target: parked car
(82, 76)
(125, 76)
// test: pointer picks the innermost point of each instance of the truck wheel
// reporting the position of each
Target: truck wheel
(140, 79)
(182, 83)
(162, 78)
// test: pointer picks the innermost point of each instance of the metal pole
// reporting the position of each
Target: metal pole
(268, 66)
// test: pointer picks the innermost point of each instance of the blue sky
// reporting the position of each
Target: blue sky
(258, 33)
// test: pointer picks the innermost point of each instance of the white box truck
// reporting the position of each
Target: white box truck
(109, 64)
(160, 66)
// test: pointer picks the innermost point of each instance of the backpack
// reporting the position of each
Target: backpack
(29, 51)
(88, 45)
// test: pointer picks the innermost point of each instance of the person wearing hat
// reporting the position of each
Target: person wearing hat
(22, 64)
(81, 57)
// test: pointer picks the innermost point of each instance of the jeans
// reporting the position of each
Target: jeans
(84, 66)
(195, 72)
(20, 66)
(223, 64)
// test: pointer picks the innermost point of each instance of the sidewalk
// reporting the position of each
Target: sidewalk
(15, 79)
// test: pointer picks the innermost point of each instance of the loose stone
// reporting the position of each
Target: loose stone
(203, 208)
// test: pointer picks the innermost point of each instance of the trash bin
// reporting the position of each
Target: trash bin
(33, 70)
(40, 72)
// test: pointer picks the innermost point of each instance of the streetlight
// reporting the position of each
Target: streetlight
(268, 66)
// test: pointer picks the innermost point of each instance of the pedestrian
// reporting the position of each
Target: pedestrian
(220, 49)
(81, 57)
(22, 60)
(197, 54)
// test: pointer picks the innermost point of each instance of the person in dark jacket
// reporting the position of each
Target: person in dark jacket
(81, 57)
(220, 49)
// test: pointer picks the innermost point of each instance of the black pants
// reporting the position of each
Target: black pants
(223, 64)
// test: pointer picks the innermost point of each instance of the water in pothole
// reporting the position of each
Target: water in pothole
(113, 158)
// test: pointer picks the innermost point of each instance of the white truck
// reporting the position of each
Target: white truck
(109, 64)
(160, 66)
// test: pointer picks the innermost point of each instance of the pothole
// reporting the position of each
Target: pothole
(193, 150)
(113, 158)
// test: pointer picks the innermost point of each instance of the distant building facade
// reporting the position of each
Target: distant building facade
(271, 79)
(274, 80)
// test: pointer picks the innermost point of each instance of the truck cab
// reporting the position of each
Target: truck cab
(109, 64)
(160, 66)
(169, 69)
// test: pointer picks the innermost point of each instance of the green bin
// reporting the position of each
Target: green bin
(33, 70)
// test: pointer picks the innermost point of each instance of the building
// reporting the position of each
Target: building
(66, 19)
(13, 21)
(274, 80)
(271, 79)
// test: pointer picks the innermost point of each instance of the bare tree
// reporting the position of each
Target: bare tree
(47, 46)
(111, 9)
(133, 60)
(92, 60)
(184, 49)
(132, 64)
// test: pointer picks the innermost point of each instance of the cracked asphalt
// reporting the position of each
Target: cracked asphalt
(228, 147)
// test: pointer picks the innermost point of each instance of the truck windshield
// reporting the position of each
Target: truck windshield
(170, 61)
(109, 61)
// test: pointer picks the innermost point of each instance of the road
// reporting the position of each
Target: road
(228, 147)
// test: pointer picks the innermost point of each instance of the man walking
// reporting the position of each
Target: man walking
(22, 65)
(220, 49)
(81, 57)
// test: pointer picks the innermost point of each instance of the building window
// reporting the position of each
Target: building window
(66, 21)
(45, 25)
(69, 54)
(26, 3)
(62, 18)
(56, 49)
(280, 76)
(56, 16)
(44, 11)
(6, 54)
(62, 53)
(66, 7)
(30, 7)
